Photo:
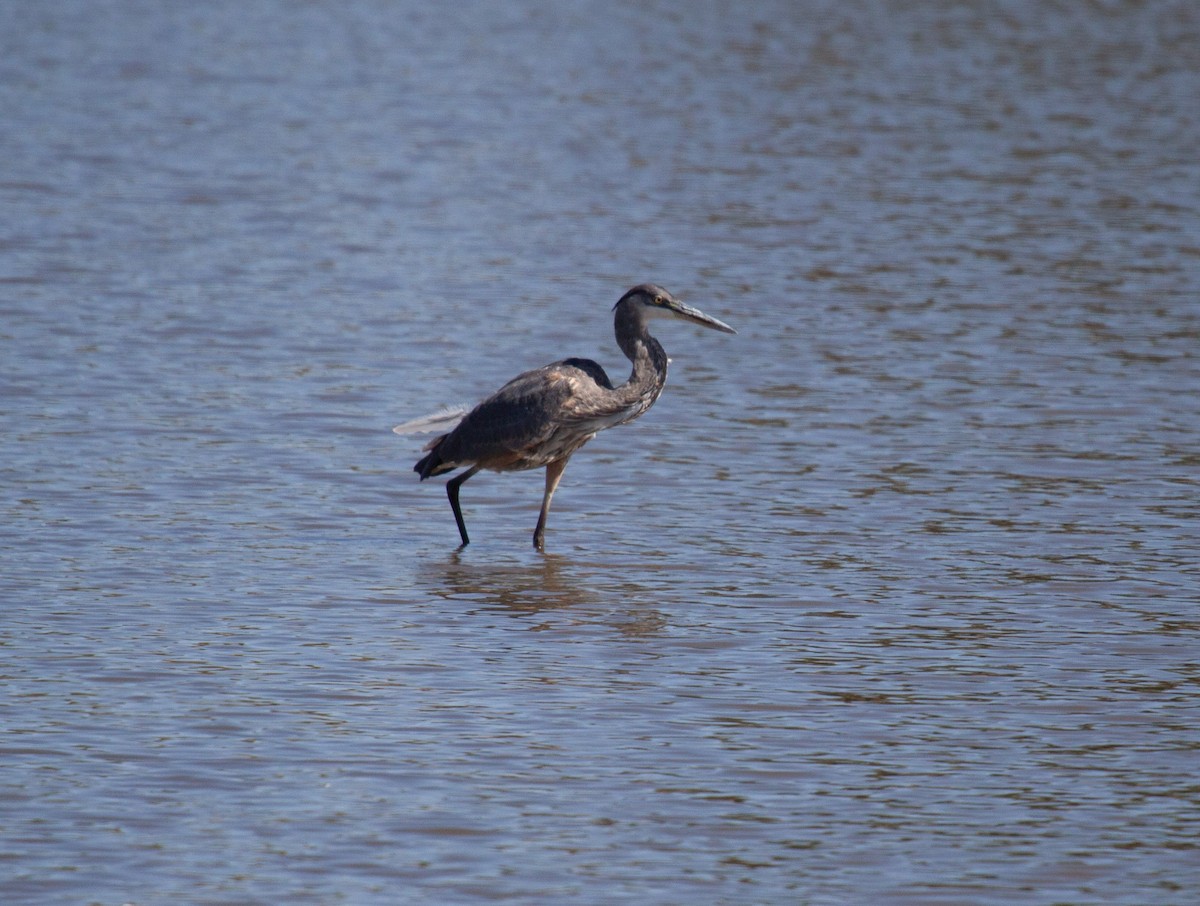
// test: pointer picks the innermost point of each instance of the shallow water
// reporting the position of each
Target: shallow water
(891, 597)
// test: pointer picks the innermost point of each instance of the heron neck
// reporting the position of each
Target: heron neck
(648, 357)
(649, 363)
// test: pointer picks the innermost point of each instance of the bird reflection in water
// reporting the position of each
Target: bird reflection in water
(549, 584)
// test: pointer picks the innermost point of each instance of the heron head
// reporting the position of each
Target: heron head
(652, 301)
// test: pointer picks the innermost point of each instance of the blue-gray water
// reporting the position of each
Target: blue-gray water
(892, 598)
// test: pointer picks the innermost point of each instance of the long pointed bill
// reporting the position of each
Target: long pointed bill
(696, 316)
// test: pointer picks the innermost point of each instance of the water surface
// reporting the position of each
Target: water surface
(891, 598)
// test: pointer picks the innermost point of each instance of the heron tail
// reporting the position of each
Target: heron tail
(432, 463)
(444, 420)
(427, 465)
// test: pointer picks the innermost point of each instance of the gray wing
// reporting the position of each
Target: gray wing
(524, 416)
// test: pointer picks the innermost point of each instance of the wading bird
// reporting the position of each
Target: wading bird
(541, 417)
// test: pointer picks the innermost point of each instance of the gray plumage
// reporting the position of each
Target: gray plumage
(541, 417)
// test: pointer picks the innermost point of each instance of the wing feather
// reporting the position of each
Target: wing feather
(520, 421)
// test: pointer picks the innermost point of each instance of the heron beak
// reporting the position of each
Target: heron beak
(696, 316)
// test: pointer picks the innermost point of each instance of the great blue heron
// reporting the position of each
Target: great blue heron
(541, 417)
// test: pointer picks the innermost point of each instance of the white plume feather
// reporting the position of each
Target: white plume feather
(445, 419)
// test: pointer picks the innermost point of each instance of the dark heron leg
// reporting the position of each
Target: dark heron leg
(452, 487)
(553, 474)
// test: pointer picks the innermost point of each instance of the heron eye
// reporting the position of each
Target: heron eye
(658, 300)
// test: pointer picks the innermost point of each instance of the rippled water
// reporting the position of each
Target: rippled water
(891, 598)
